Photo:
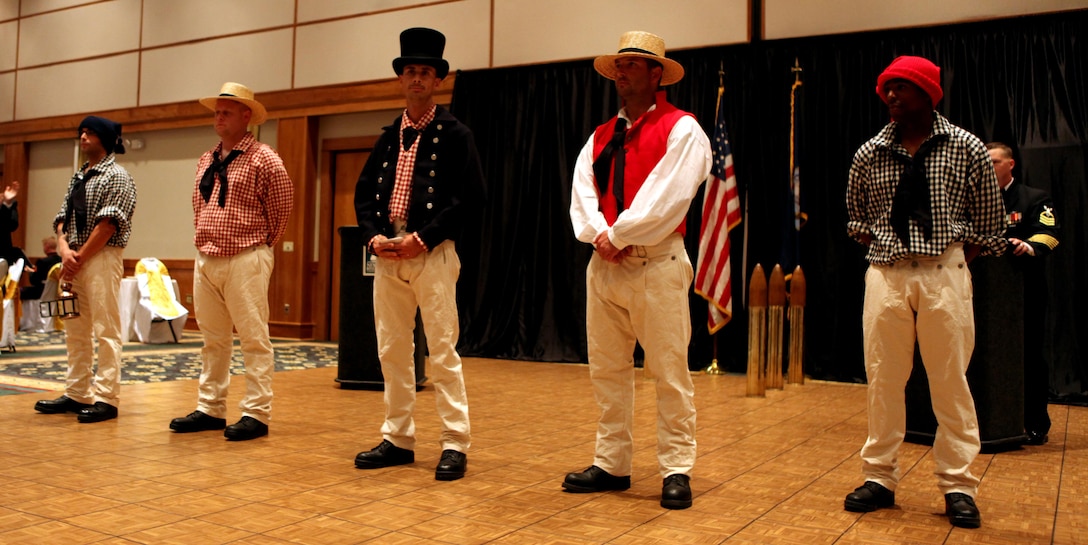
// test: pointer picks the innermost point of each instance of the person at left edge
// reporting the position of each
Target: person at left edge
(92, 228)
(416, 191)
(242, 197)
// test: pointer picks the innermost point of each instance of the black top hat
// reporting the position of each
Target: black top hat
(422, 46)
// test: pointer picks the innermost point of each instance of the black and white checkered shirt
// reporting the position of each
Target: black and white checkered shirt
(111, 193)
(964, 195)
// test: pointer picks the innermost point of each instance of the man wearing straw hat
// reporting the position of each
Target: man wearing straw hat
(242, 198)
(417, 189)
(633, 184)
(93, 228)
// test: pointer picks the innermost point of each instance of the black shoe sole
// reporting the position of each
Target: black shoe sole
(862, 507)
(92, 419)
(675, 504)
(47, 409)
(245, 436)
(379, 465)
(448, 475)
(183, 429)
(579, 489)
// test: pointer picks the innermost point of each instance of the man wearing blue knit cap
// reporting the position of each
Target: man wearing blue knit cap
(93, 227)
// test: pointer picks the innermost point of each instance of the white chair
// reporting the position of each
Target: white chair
(159, 317)
(10, 290)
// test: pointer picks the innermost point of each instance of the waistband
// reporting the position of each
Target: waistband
(952, 254)
(671, 245)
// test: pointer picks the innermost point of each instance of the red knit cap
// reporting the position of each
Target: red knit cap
(919, 71)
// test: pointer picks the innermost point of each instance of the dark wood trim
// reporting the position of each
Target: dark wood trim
(313, 101)
(16, 167)
(291, 330)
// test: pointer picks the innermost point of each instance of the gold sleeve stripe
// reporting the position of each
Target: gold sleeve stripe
(1050, 241)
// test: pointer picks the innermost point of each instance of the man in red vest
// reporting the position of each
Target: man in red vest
(633, 184)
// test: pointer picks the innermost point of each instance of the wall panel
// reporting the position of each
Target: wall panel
(7, 97)
(70, 34)
(9, 36)
(313, 10)
(85, 86)
(30, 7)
(188, 72)
(9, 9)
(529, 31)
(171, 21)
(363, 48)
(796, 18)
(51, 167)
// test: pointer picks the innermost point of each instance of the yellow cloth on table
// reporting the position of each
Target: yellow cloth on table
(53, 279)
(162, 298)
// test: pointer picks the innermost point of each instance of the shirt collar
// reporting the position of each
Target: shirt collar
(889, 135)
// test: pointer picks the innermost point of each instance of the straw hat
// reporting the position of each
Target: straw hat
(641, 44)
(238, 93)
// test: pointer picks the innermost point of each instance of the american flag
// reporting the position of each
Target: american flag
(721, 213)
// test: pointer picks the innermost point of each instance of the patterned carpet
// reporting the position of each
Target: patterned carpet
(40, 361)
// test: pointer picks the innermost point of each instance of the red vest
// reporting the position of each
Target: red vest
(645, 145)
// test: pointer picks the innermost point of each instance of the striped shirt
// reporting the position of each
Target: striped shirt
(111, 194)
(259, 200)
(964, 195)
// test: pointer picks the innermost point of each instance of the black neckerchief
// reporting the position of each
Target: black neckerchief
(911, 198)
(220, 168)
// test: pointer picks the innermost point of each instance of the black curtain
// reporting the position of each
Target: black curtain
(1021, 81)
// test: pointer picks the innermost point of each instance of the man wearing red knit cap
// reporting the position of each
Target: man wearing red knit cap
(923, 197)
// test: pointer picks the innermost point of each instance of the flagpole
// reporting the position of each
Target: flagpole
(713, 369)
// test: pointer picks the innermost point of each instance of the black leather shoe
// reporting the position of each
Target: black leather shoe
(676, 492)
(62, 404)
(1036, 438)
(451, 466)
(869, 497)
(245, 429)
(595, 479)
(97, 413)
(197, 421)
(961, 510)
(386, 454)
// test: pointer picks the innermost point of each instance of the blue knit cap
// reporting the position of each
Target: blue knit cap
(108, 132)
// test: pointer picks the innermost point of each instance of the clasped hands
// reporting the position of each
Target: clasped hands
(607, 251)
(396, 248)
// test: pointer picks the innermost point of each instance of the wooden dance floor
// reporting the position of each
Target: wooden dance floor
(769, 470)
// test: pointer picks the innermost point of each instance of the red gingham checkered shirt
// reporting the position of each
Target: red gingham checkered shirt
(259, 199)
(406, 163)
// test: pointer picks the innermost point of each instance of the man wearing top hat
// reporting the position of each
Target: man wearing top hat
(242, 198)
(633, 184)
(420, 184)
(93, 227)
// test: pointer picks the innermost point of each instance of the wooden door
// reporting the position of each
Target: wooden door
(345, 172)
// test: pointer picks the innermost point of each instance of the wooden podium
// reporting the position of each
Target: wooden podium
(996, 372)
(358, 365)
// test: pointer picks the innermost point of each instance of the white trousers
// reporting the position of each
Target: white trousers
(97, 285)
(930, 297)
(427, 282)
(645, 297)
(232, 293)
